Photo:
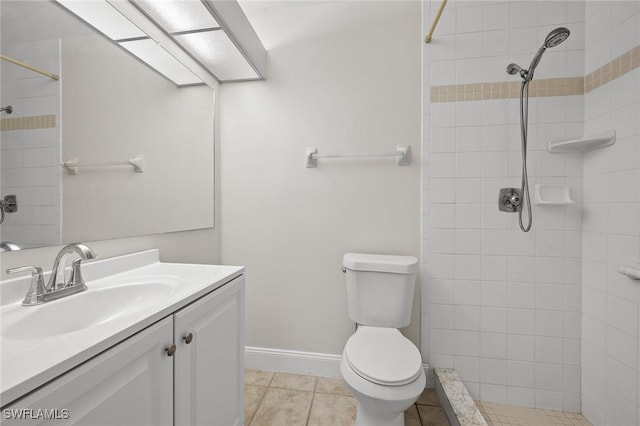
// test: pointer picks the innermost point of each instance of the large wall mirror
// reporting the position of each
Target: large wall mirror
(106, 106)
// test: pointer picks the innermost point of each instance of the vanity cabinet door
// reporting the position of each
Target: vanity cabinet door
(209, 369)
(129, 384)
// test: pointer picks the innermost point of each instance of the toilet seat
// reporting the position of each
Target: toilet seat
(383, 356)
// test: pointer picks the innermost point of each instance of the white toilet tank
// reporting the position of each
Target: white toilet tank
(380, 288)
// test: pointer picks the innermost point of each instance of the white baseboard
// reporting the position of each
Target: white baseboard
(311, 363)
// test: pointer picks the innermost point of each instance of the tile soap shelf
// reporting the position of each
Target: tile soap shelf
(587, 143)
(631, 269)
(552, 195)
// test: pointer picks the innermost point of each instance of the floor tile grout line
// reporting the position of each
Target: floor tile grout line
(313, 398)
(258, 406)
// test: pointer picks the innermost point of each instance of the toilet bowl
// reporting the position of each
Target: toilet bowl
(382, 368)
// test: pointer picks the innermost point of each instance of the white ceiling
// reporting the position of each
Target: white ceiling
(25, 21)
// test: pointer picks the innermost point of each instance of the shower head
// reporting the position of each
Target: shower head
(553, 39)
(8, 109)
(556, 37)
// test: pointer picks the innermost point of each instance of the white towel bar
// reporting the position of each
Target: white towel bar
(73, 165)
(402, 153)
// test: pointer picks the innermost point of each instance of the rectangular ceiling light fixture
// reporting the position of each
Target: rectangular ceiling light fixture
(187, 41)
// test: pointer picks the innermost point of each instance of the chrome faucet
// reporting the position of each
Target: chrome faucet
(40, 293)
(75, 279)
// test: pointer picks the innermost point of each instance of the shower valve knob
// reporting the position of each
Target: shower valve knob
(510, 200)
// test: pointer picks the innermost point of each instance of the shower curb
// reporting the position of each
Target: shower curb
(455, 399)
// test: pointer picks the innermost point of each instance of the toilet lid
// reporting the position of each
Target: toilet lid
(383, 356)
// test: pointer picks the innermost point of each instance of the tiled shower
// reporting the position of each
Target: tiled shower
(31, 145)
(540, 319)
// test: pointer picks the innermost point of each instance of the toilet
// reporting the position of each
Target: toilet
(382, 368)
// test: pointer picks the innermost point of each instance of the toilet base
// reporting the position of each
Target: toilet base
(366, 417)
(381, 405)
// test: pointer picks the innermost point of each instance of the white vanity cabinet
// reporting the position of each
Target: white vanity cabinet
(129, 384)
(209, 371)
(137, 382)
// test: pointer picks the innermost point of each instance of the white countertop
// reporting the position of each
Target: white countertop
(26, 364)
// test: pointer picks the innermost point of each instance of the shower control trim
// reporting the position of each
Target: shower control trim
(510, 200)
(9, 204)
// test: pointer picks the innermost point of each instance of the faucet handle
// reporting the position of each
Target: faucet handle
(76, 275)
(36, 292)
(33, 269)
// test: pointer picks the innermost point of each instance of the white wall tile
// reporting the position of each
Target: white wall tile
(622, 378)
(468, 164)
(441, 291)
(520, 373)
(493, 319)
(468, 139)
(523, 397)
(520, 321)
(468, 45)
(495, 43)
(622, 315)
(468, 267)
(467, 292)
(520, 347)
(466, 343)
(548, 350)
(441, 316)
(441, 341)
(468, 368)
(491, 392)
(468, 113)
(466, 216)
(523, 14)
(493, 345)
(495, 17)
(493, 371)
(524, 40)
(467, 19)
(549, 323)
(552, 13)
(494, 268)
(442, 240)
(548, 399)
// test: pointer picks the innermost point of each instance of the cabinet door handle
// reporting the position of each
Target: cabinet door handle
(188, 338)
(171, 350)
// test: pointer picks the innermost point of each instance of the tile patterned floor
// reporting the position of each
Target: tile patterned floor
(285, 399)
(508, 415)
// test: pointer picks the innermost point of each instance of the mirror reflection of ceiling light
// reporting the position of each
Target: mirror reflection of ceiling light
(178, 16)
(187, 41)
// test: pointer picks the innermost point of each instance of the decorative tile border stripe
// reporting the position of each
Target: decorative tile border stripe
(28, 123)
(610, 71)
(507, 89)
(539, 88)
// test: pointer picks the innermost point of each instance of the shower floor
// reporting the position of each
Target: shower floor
(502, 415)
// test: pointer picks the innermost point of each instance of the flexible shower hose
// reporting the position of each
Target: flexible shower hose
(524, 121)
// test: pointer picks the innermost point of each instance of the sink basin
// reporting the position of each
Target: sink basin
(90, 308)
